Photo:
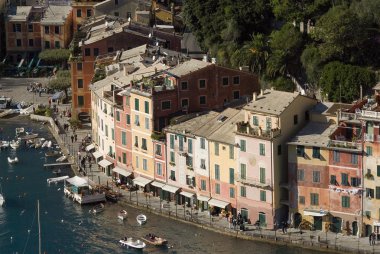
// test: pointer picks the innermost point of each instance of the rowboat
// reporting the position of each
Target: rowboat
(130, 242)
(97, 209)
(141, 219)
(155, 240)
(12, 161)
(122, 215)
(61, 159)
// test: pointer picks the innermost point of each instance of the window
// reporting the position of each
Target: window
(231, 154)
(344, 177)
(146, 107)
(87, 52)
(171, 141)
(56, 29)
(217, 172)
(355, 181)
(262, 219)
(243, 171)
(333, 180)
(47, 30)
(346, 202)
(147, 123)
(79, 13)
(47, 44)
(184, 85)
(31, 42)
(255, 121)
(190, 146)
(116, 14)
(123, 138)
(145, 164)
(88, 12)
(377, 192)
(166, 105)
(30, 27)
(203, 185)
(369, 150)
(336, 156)
(243, 146)
(369, 193)
(314, 199)
(202, 83)
(143, 144)
(262, 175)
(202, 99)
(243, 191)
(301, 175)
(263, 195)
(106, 132)
(236, 80)
(295, 119)
(172, 157)
(184, 103)
(137, 120)
(232, 176)
(158, 150)
(268, 123)
(378, 170)
(225, 81)
(203, 164)
(262, 149)
(301, 200)
(316, 176)
(216, 147)
(354, 159)
(203, 143)
(124, 158)
(16, 27)
(128, 119)
(300, 151)
(80, 83)
(79, 66)
(137, 104)
(316, 152)
(113, 133)
(80, 100)
(118, 116)
(18, 42)
(172, 175)
(180, 142)
(159, 169)
(236, 95)
(232, 192)
(217, 188)
(96, 51)
(136, 141)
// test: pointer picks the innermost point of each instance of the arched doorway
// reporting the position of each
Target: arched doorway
(297, 219)
(354, 227)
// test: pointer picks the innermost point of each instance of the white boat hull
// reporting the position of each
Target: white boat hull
(130, 242)
(12, 161)
(2, 200)
(122, 215)
(141, 219)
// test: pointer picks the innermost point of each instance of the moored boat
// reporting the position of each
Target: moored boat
(2, 200)
(49, 144)
(141, 219)
(51, 153)
(14, 144)
(20, 131)
(61, 159)
(122, 215)
(155, 240)
(44, 144)
(134, 243)
(97, 209)
(12, 161)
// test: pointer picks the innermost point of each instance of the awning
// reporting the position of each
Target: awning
(77, 181)
(169, 188)
(141, 181)
(317, 213)
(104, 163)
(203, 198)
(187, 194)
(218, 203)
(157, 184)
(90, 147)
(121, 171)
(97, 155)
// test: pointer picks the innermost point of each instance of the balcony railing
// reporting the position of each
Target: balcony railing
(246, 129)
(267, 184)
(370, 114)
(347, 116)
(344, 144)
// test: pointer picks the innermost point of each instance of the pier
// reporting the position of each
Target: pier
(62, 164)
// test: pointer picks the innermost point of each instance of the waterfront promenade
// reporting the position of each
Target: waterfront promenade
(308, 239)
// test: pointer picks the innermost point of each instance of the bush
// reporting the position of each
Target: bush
(48, 112)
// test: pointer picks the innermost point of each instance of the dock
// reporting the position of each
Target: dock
(7, 112)
(61, 164)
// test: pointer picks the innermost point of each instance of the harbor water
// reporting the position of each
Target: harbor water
(67, 227)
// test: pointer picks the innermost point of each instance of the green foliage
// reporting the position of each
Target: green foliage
(61, 82)
(341, 82)
(283, 84)
(312, 63)
(55, 56)
(99, 75)
(48, 112)
(74, 123)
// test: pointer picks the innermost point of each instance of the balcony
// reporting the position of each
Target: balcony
(255, 182)
(344, 145)
(246, 129)
(370, 114)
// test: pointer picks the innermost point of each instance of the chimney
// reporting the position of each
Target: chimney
(261, 92)
(254, 96)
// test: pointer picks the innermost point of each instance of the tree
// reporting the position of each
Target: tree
(55, 56)
(61, 82)
(296, 10)
(312, 63)
(341, 82)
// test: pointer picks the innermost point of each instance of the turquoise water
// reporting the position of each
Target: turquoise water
(68, 227)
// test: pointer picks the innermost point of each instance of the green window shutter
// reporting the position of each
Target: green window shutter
(128, 119)
(146, 107)
(262, 175)
(123, 138)
(232, 176)
(217, 172)
(190, 146)
(378, 170)
(333, 180)
(216, 145)
(137, 104)
(232, 152)
(263, 195)
(243, 145)
(243, 171)
(377, 192)
(171, 141)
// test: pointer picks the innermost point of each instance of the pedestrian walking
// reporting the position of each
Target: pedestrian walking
(72, 139)
(370, 239)
(79, 155)
(373, 238)
(75, 137)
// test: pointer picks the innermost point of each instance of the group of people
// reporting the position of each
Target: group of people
(236, 221)
(372, 239)
(36, 88)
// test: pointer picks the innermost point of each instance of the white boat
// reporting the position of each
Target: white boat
(56, 179)
(49, 144)
(61, 159)
(141, 219)
(130, 242)
(2, 199)
(97, 209)
(15, 144)
(45, 143)
(38, 144)
(12, 161)
(122, 215)
(80, 190)
(57, 171)
(20, 131)
(4, 144)
(4, 102)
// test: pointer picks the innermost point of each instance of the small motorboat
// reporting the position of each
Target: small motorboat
(61, 159)
(49, 144)
(155, 240)
(38, 144)
(20, 131)
(14, 144)
(134, 243)
(12, 161)
(45, 143)
(4, 144)
(97, 209)
(141, 219)
(2, 200)
(30, 141)
(51, 153)
(122, 215)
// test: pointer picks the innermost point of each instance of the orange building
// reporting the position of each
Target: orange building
(82, 9)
